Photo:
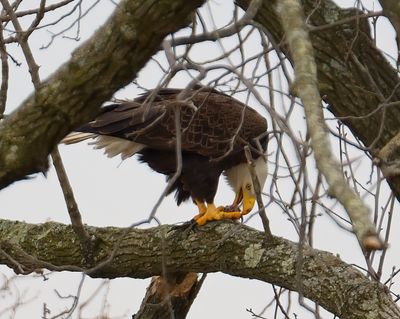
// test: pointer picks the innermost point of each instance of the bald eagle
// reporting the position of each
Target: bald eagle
(215, 128)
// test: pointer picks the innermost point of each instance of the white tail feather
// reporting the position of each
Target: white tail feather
(112, 146)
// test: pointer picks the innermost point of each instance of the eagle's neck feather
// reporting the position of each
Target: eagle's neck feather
(239, 175)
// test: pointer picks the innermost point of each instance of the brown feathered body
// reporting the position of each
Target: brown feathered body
(214, 130)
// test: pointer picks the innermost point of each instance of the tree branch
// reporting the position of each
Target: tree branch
(108, 61)
(72, 205)
(353, 74)
(228, 247)
(306, 86)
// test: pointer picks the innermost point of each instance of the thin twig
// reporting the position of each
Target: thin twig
(322, 27)
(52, 7)
(73, 210)
(22, 40)
(386, 243)
(257, 190)
(4, 73)
(221, 33)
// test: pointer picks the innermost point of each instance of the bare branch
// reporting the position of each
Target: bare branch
(52, 7)
(4, 73)
(72, 206)
(22, 38)
(257, 190)
(306, 87)
(222, 33)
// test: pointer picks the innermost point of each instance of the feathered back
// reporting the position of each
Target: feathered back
(212, 123)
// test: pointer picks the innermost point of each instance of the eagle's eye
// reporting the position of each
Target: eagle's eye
(248, 187)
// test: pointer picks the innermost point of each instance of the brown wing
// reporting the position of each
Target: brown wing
(212, 123)
(222, 124)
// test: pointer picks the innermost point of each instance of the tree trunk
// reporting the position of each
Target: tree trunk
(171, 298)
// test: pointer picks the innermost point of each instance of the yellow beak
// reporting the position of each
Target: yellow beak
(249, 200)
(238, 199)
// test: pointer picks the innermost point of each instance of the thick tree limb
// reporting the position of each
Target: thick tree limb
(228, 247)
(354, 77)
(108, 61)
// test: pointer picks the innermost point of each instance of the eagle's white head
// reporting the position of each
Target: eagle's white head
(239, 178)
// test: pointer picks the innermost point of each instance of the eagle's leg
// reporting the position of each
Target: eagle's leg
(248, 199)
(201, 206)
(215, 213)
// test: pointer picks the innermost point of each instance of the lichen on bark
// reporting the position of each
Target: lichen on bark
(142, 253)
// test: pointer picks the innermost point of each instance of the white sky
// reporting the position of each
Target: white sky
(111, 193)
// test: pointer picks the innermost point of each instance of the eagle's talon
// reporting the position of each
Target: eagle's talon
(191, 227)
(231, 208)
(216, 213)
(186, 228)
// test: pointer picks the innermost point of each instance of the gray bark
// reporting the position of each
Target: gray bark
(227, 247)
(166, 297)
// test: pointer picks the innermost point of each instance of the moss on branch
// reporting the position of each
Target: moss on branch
(228, 247)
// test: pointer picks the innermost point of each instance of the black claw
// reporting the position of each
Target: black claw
(185, 228)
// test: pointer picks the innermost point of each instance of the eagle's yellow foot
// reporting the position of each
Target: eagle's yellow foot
(215, 213)
(201, 206)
